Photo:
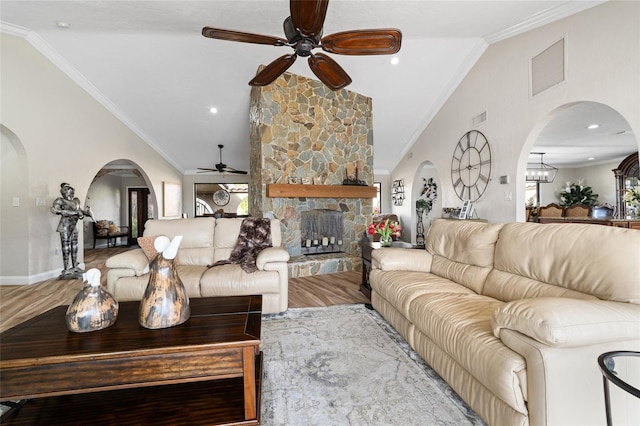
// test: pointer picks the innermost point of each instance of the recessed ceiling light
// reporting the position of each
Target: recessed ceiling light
(593, 126)
(395, 60)
(213, 110)
(62, 24)
(591, 158)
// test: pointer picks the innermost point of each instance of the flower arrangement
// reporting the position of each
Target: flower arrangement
(577, 193)
(385, 229)
(632, 195)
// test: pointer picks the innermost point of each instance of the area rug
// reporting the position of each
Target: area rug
(345, 365)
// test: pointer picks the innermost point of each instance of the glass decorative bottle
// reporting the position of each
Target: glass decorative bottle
(93, 308)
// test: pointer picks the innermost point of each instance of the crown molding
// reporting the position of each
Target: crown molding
(542, 18)
(58, 60)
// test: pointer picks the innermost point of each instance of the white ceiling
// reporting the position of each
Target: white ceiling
(147, 62)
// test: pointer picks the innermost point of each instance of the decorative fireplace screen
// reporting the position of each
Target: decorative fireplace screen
(321, 231)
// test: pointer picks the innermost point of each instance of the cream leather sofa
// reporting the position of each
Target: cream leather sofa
(513, 316)
(205, 241)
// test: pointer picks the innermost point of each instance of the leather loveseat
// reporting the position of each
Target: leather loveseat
(514, 316)
(205, 241)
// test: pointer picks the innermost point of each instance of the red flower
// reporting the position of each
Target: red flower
(385, 229)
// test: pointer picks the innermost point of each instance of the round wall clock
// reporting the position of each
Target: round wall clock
(221, 197)
(471, 166)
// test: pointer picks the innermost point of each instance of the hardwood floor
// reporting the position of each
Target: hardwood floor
(21, 302)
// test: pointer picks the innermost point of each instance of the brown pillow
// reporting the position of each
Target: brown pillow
(102, 227)
(114, 229)
(146, 244)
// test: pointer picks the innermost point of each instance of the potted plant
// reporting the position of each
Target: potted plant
(577, 193)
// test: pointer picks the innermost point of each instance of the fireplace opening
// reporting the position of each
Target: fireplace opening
(322, 231)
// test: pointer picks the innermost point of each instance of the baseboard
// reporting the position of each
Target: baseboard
(32, 279)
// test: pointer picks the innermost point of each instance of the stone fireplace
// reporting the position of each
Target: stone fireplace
(301, 131)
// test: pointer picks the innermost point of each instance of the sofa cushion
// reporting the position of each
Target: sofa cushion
(231, 280)
(400, 289)
(462, 251)
(560, 322)
(460, 323)
(568, 260)
(196, 247)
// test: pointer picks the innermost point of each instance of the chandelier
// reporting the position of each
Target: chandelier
(540, 172)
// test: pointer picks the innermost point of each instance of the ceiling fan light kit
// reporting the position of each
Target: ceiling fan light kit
(303, 32)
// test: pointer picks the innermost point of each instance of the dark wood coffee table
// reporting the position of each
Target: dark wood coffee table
(205, 371)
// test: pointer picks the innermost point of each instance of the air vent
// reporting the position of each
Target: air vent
(480, 118)
(548, 68)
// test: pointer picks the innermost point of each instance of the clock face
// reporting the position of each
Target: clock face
(221, 197)
(471, 166)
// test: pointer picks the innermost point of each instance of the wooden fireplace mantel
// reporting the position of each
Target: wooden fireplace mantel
(283, 190)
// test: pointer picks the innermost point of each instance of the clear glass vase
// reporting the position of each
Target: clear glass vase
(385, 241)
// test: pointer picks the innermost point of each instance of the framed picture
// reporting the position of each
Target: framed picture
(172, 199)
(447, 212)
(471, 214)
(306, 180)
(465, 210)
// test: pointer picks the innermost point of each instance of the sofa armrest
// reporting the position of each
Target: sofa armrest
(132, 259)
(401, 259)
(271, 254)
(565, 322)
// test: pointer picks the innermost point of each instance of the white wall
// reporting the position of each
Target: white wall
(603, 51)
(67, 137)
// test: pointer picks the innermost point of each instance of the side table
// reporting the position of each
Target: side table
(625, 377)
(366, 249)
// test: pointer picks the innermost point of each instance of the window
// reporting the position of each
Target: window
(376, 201)
(228, 199)
(532, 194)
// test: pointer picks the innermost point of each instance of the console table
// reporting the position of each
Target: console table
(366, 249)
(205, 371)
(621, 223)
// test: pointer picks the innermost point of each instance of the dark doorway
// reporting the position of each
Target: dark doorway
(140, 210)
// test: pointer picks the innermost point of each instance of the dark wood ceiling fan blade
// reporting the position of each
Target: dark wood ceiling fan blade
(329, 72)
(230, 35)
(230, 170)
(308, 16)
(363, 42)
(273, 70)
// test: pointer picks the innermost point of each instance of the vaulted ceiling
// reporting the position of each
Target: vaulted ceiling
(148, 63)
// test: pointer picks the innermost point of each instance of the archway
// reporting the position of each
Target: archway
(579, 150)
(14, 209)
(110, 198)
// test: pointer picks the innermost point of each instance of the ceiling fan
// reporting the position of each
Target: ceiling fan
(221, 167)
(303, 32)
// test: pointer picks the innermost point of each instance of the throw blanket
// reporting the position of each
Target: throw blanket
(255, 236)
